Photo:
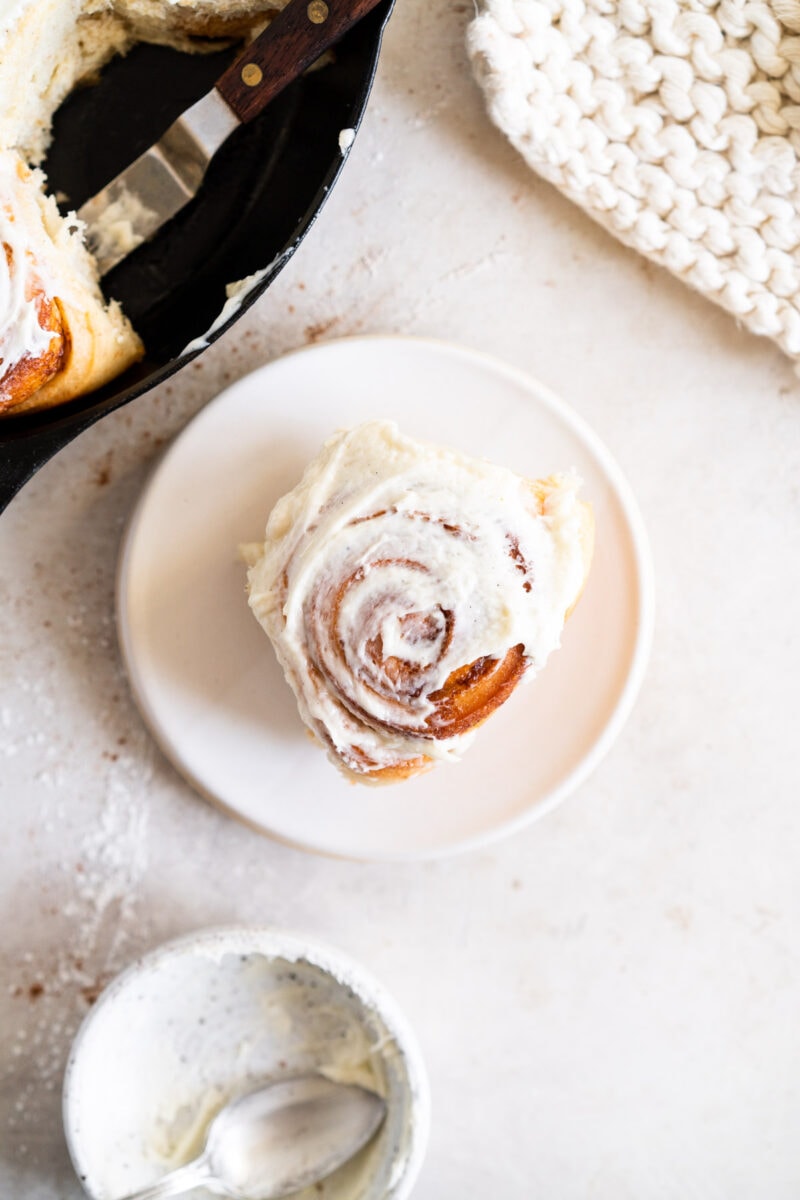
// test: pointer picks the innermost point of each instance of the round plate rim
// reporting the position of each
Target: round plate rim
(645, 578)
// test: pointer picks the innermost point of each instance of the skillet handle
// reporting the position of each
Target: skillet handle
(292, 41)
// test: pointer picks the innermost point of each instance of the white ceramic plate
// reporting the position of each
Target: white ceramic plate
(205, 676)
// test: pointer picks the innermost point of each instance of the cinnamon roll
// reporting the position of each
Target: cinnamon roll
(48, 47)
(58, 336)
(407, 591)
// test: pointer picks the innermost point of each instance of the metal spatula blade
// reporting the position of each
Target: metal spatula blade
(143, 197)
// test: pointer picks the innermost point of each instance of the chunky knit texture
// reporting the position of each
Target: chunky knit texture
(674, 123)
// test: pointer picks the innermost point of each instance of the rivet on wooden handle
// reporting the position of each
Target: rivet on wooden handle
(252, 74)
(293, 40)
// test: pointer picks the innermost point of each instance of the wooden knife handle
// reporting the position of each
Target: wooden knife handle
(292, 41)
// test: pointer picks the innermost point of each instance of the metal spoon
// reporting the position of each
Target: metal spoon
(277, 1140)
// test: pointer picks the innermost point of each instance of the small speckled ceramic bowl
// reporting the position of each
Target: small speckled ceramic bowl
(214, 1015)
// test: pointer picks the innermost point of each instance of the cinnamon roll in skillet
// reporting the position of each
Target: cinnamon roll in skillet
(407, 591)
(58, 336)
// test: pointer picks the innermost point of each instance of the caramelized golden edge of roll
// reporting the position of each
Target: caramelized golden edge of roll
(20, 380)
(220, 26)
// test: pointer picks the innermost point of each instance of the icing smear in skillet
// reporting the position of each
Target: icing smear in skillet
(408, 589)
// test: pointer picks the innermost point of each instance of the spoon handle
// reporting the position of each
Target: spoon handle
(177, 1182)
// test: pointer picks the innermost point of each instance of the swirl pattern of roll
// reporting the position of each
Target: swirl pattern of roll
(408, 589)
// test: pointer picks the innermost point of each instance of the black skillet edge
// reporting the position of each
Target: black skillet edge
(27, 441)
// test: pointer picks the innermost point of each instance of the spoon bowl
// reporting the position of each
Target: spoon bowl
(279, 1139)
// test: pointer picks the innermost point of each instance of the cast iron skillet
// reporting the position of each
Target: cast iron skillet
(261, 195)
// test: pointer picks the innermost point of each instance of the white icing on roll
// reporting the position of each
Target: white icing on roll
(10, 11)
(393, 564)
(21, 335)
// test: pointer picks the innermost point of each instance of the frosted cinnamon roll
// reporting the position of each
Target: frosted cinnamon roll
(58, 336)
(408, 589)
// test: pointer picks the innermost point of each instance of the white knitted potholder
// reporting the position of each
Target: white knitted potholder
(675, 123)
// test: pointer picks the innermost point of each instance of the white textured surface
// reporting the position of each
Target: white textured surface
(674, 123)
(608, 1002)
